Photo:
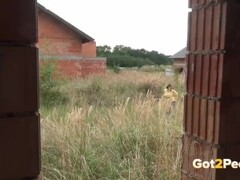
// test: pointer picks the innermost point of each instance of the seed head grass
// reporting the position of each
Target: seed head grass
(115, 126)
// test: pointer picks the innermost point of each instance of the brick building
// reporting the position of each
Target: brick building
(73, 51)
(179, 59)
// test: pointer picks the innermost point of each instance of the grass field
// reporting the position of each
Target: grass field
(111, 127)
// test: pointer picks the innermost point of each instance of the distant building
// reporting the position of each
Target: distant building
(73, 50)
(179, 61)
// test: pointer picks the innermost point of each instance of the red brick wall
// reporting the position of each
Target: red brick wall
(179, 62)
(72, 58)
(57, 39)
(89, 49)
(79, 68)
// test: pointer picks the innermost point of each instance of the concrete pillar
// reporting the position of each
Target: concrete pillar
(19, 104)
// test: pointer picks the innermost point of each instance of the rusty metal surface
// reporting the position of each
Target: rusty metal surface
(20, 146)
(18, 21)
(18, 79)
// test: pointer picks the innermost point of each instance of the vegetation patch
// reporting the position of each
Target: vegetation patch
(112, 127)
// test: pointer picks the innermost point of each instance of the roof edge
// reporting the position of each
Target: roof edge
(180, 54)
(85, 38)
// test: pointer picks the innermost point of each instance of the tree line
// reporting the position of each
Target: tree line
(124, 56)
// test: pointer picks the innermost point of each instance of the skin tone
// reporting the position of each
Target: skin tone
(169, 88)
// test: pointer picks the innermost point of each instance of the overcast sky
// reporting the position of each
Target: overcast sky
(159, 25)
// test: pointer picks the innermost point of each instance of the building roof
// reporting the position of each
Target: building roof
(180, 54)
(85, 38)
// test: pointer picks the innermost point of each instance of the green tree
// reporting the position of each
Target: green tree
(121, 50)
(125, 56)
(103, 50)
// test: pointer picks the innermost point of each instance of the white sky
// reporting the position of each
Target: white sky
(159, 25)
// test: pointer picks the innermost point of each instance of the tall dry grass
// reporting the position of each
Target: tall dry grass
(113, 127)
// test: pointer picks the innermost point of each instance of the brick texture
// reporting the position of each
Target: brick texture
(89, 49)
(79, 68)
(56, 39)
(72, 57)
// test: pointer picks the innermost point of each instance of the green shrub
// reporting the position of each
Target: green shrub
(116, 69)
(50, 93)
(128, 61)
